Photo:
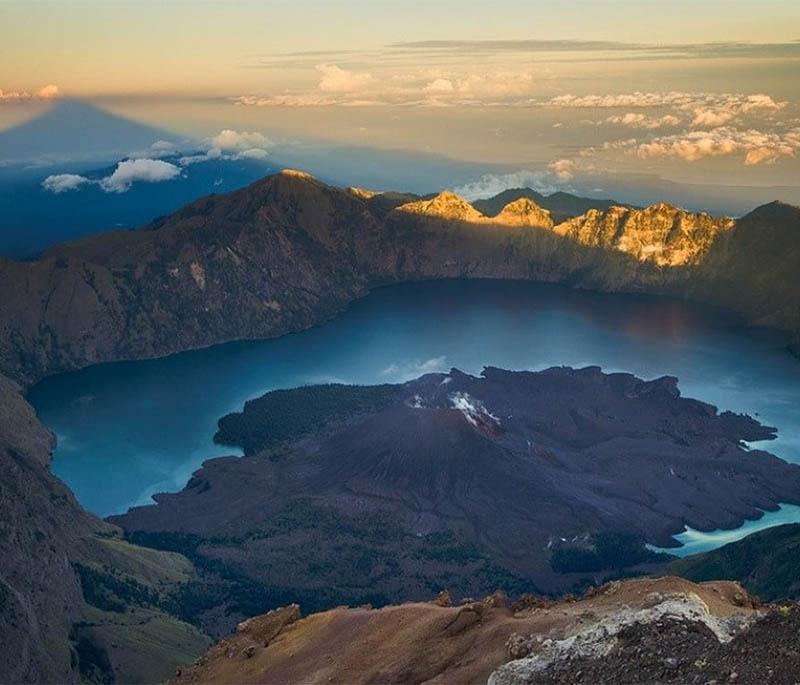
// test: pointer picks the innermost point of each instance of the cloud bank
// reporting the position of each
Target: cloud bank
(48, 92)
(419, 86)
(755, 147)
(639, 120)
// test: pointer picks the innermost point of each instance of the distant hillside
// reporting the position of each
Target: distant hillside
(562, 206)
(35, 219)
(766, 563)
(755, 267)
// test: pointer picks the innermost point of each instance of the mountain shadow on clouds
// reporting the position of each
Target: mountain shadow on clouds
(73, 130)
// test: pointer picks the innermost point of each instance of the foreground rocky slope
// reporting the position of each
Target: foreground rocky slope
(707, 631)
(547, 480)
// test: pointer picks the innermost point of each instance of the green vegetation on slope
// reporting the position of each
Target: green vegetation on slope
(767, 563)
(129, 631)
(604, 551)
(283, 415)
(322, 559)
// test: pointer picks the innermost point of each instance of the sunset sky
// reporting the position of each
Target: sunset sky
(701, 91)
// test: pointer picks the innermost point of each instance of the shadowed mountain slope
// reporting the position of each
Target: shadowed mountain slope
(289, 251)
(767, 563)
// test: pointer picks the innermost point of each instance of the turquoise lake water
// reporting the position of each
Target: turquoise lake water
(129, 429)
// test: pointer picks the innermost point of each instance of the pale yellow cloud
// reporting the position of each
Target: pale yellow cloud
(48, 92)
(334, 79)
(756, 147)
(639, 120)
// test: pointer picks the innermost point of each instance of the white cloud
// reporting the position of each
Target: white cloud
(163, 147)
(231, 145)
(62, 183)
(708, 110)
(287, 100)
(133, 171)
(639, 120)
(725, 108)
(490, 185)
(635, 99)
(212, 153)
(253, 153)
(334, 79)
(228, 144)
(228, 139)
(422, 87)
(127, 173)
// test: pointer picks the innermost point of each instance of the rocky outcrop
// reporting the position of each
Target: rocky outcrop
(474, 641)
(599, 639)
(662, 234)
(524, 212)
(445, 205)
(451, 207)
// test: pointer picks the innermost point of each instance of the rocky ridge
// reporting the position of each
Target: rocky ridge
(663, 234)
(288, 252)
(530, 641)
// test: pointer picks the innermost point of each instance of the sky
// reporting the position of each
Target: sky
(706, 91)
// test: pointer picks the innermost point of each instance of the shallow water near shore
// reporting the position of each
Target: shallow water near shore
(127, 430)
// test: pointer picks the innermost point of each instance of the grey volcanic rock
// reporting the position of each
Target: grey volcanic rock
(505, 466)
